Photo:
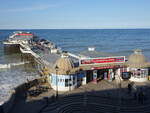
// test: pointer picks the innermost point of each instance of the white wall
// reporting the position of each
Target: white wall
(139, 78)
(60, 83)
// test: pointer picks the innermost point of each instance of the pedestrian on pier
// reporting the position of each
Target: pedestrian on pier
(129, 88)
(134, 89)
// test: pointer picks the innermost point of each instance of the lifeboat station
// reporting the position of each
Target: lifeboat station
(68, 74)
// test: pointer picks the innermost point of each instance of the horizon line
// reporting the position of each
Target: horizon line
(68, 28)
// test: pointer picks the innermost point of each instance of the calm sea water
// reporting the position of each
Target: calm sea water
(118, 41)
(115, 41)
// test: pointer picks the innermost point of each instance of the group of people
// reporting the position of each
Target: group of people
(137, 92)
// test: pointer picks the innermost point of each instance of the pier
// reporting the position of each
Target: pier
(44, 58)
(72, 70)
(84, 75)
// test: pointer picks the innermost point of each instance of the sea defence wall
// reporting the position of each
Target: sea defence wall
(27, 57)
(20, 92)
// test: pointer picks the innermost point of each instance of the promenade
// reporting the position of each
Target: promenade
(104, 97)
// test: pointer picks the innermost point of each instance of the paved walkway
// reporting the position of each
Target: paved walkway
(106, 88)
(102, 90)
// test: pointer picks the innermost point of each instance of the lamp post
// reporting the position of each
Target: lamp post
(56, 68)
(69, 81)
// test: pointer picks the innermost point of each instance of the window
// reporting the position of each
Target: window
(126, 75)
(148, 71)
(66, 82)
(74, 80)
(140, 73)
(70, 84)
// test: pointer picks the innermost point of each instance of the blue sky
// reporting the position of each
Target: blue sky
(74, 14)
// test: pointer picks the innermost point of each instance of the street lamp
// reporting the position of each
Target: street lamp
(69, 81)
(56, 68)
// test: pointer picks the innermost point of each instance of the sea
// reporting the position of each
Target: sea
(114, 41)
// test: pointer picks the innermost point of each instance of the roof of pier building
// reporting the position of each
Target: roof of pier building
(92, 53)
(64, 66)
(137, 60)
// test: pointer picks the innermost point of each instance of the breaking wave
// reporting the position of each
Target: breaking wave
(11, 79)
(3, 66)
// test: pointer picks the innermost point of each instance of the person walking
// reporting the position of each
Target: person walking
(134, 89)
(129, 88)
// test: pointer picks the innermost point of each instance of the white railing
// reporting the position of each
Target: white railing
(73, 55)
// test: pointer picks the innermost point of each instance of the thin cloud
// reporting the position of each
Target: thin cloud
(31, 8)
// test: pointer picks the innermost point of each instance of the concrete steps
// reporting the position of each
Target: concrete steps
(95, 104)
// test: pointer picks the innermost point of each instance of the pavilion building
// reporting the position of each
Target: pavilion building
(95, 66)
(65, 75)
(138, 66)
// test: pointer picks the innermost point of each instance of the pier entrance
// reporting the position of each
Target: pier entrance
(101, 68)
(89, 76)
(100, 74)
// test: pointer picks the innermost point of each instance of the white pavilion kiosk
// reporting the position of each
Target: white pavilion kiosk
(138, 65)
